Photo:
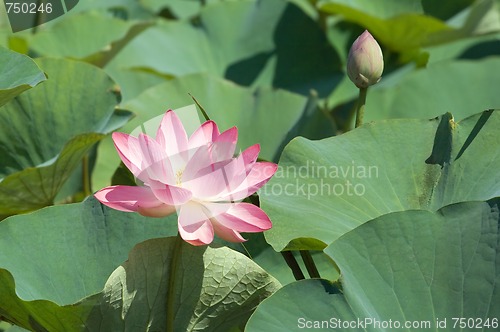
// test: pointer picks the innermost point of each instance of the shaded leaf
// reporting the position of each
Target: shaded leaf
(36, 187)
(244, 41)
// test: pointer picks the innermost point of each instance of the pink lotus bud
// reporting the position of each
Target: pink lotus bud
(365, 62)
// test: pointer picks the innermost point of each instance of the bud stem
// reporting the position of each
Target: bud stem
(360, 107)
(293, 265)
(309, 263)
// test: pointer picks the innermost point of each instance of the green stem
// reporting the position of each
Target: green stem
(309, 263)
(205, 115)
(171, 282)
(360, 107)
(86, 176)
(293, 265)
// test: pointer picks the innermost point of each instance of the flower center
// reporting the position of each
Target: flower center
(178, 177)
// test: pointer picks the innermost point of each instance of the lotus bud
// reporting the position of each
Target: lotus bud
(365, 62)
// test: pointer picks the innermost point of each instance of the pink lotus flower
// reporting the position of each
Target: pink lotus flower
(198, 177)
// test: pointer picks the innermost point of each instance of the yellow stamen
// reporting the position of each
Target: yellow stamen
(178, 177)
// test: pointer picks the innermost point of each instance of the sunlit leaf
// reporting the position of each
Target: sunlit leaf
(46, 131)
(18, 73)
(336, 184)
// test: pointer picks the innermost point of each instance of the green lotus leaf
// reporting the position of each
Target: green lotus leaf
(75, 37)
(406, 26)
(336, 184)
(46, 131)
(463, 86)
(18, 73)
(422, 268)
(60, 271)
(247, 42)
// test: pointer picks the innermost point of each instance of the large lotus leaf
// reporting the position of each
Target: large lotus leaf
(405, 28)
(18, 73)
(461, 86)
(415, 266)
(65, 253)
(266, 116)
(389, 8)
(169, 285)
(74, 246)
(75, 37)
(36, 187)
(38, 130)
(401, 32)
(60, 258)
(245, 41)
(336, 184)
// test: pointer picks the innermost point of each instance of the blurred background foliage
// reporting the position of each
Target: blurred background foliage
(439, 56)
(299, 46)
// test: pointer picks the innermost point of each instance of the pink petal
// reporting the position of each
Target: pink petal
(129, 150)
(213, 180)
(207, 156)
(133, 199)
(194, 224)
(223, 146)
(224, 176)
(221, 149)
(208, 185)
(227, 233)
(157, 211)
(204, 135)
(169, 194)
(240, 217)
(171, 134)
(244, 164)
(201, 159)
(155, 161)
(259, 174)
(251, 154)
(242, 167)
